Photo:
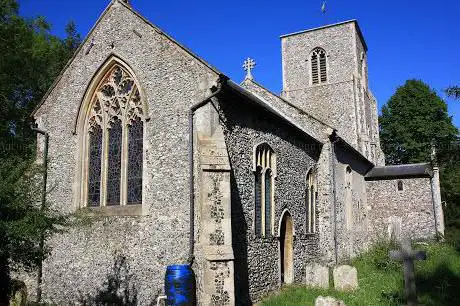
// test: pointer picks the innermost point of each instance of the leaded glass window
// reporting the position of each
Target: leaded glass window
(114, 164)
(94, 165)
(135, 154)
(114, 127)
(264, 195)
(268, 202)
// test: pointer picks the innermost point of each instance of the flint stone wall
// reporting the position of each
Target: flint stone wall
(257, 259)
(413, 206)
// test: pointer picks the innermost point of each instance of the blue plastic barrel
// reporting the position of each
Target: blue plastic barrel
(180, 285)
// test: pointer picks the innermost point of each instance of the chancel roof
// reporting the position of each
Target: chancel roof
(400, 171)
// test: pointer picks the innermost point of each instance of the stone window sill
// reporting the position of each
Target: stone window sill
(109, 211)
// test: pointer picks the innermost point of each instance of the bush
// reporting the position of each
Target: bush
(379, 256)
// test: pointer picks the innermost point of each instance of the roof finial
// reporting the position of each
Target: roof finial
(323, 7)
(248, 65)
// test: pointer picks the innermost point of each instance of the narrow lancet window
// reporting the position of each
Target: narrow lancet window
(264, 194)
(114, 164)
(348, 197)
(135, 154)
(268, 202)
(311, 196)
(318, 66)
(94, 166)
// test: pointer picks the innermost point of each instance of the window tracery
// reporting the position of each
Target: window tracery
(114, 132)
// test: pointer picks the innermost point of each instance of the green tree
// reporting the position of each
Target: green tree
(413, 117)
(31, 59)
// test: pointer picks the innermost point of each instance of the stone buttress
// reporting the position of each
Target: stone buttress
(213, 212)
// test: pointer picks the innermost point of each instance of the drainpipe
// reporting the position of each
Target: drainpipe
(334, 139)
(42, 209)
(191, 113)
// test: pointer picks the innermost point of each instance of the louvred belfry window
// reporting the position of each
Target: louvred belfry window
(114, 129)
(264, 191)
(318, 66)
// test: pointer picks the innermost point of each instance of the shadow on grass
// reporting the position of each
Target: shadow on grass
(440, 287)
(117, 290)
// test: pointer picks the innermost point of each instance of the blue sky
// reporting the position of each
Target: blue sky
(406, 38)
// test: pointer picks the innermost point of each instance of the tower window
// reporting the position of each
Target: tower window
(318, 66)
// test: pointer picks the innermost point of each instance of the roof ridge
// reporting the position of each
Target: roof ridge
(289, 103)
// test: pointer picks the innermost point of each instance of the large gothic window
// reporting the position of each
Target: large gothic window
(264, 191)
(114, 133)
(310, 201)
(318, 66)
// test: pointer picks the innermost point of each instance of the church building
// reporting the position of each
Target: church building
(172, 162)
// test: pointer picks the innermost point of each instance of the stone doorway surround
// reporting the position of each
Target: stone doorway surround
(286, 243)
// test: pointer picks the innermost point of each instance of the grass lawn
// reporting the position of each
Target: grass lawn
(381, 281)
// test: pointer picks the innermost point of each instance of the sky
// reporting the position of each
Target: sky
(407, 39)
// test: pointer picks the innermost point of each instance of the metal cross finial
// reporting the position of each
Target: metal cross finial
(248, 65)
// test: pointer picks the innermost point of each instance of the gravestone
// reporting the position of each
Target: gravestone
(345, 278)
(328, 301)
(407, 256)
(317, 275)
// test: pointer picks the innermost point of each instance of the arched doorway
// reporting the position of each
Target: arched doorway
(287, 249)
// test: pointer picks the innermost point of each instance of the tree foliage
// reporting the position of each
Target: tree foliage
(414, 117)
(31, 59)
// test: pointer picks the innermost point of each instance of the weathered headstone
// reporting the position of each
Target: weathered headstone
(345, 278)
(407, 256)
(328, 301)
(317, 275)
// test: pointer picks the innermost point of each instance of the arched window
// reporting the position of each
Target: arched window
(311, 195)
(400, 186)
(348, 197)
(113, 133)
(318, 66)
(264, 190)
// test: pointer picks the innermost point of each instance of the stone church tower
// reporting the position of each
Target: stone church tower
(325, 73)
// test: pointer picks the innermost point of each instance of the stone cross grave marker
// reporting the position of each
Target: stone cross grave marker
(248, 65)
(407, 256)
